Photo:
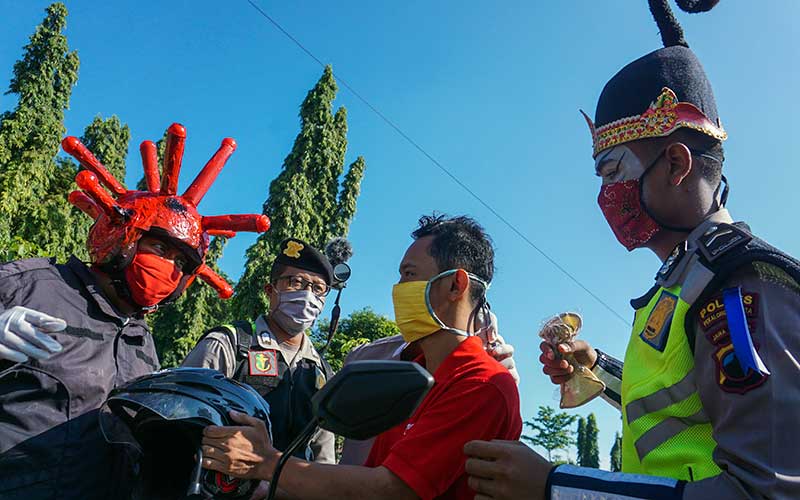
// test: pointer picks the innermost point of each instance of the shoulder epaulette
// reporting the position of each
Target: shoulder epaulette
(721, 238)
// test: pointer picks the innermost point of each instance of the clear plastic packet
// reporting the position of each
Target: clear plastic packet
(584, 385)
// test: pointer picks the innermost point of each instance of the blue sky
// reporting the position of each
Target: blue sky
(490, 89)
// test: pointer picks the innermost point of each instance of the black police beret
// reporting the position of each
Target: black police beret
(299, 254)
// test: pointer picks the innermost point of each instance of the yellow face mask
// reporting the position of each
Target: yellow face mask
(413, 312)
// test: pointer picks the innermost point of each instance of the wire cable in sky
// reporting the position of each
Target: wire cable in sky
(447, 172)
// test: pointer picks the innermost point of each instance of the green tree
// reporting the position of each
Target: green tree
(616, 454)
(361, 327)
(30, 135)
(581, 442)
(552, 430)
(177, 327)
(108, 140)
(306, 199)
(591, 454)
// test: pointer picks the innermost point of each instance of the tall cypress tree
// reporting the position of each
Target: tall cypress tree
(581, 442)
(306, 199)
(31, 133)
(592, 450)
(616, 454)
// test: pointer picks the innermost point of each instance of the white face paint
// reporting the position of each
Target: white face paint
(618, 164)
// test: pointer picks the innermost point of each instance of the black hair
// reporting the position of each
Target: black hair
(459, 243)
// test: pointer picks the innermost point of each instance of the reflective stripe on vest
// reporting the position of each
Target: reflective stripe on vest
(665, 430)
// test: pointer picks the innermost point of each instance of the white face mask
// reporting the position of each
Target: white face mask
(297, 311)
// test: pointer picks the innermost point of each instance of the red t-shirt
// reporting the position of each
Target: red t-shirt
(473, 397)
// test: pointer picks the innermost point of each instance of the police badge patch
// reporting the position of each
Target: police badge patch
(656, 330)
(713, 320)
(263, 363)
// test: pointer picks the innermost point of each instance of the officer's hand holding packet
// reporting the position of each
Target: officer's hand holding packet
(583, 386)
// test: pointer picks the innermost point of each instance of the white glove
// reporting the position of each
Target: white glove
(23, 334)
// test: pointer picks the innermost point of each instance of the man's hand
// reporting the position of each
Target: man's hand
(504, 354)
(24, 334)
(506, 470)
(559, 370)
(496, 346)
(244, 451)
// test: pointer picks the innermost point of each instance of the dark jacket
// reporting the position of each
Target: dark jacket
(51, 446)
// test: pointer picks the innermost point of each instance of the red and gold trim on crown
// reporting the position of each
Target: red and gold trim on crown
(664, 116)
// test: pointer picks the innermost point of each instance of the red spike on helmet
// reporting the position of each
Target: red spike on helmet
(122, 219)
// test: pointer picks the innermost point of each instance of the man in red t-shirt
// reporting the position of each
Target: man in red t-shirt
(444, 276)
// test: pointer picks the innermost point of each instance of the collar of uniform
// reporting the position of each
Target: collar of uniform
(717, 217)
(675, 268)
(267, 340)
(464, 352)
(85, 275)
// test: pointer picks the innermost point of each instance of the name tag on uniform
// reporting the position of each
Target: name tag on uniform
(263, 363)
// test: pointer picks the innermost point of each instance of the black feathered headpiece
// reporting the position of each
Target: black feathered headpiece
(659, 93)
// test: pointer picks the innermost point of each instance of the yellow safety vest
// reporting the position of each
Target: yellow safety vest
(665, 431)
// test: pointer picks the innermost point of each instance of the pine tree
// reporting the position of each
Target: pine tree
(177, 327)
(30, 135)
(305, 200)
(591, 452)
(616, 454)
(552, 430)
(581, 443)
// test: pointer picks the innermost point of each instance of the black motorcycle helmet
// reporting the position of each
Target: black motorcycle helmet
(159, 418)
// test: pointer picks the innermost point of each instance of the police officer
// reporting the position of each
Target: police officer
(711, 383)
(70, 333)
(275, 356)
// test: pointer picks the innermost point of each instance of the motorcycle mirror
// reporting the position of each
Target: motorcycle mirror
(364, 399)
(369, 397)
(341, 272)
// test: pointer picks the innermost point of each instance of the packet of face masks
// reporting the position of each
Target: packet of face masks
(584, 385)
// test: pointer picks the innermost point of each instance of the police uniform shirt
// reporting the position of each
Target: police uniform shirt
(755, 418)
(216, 351)
(51, 446)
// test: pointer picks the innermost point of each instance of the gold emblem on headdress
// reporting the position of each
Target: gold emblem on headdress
(293, 249)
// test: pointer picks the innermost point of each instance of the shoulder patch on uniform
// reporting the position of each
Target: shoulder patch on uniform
(22, 266)
(731, 377)
(730, 374)
(721, 238)
(263, 363)
(656, 330)
(712, 317)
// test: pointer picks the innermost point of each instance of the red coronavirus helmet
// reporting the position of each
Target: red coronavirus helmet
(124, 216)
